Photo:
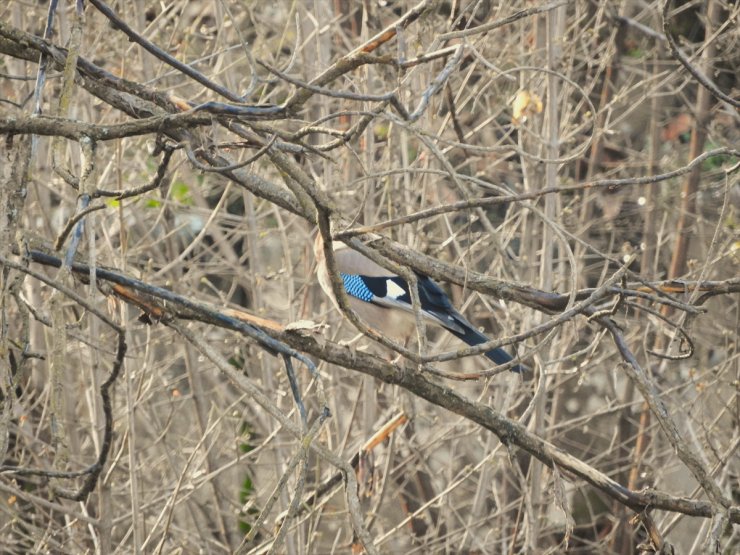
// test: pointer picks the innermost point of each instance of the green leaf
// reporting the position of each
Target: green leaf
(180, 191)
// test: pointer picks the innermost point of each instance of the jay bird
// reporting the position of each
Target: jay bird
(382, 299)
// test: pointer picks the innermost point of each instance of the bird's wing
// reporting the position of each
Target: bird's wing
(393, 292)
(368, 282)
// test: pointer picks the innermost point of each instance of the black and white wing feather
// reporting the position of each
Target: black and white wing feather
(393, 292)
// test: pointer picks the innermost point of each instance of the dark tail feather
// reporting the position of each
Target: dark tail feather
(473, 337)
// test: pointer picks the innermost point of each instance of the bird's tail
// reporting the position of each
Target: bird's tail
(473, 337)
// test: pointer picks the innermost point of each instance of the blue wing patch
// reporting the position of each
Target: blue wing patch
(355, 286)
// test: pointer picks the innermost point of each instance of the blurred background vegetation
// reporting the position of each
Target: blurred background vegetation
(570, 94)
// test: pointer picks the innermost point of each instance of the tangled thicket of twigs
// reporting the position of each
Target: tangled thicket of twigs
(167, 381)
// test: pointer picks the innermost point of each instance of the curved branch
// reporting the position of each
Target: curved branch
(509, 432)
(703, 80)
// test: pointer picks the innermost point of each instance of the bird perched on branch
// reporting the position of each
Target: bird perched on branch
(382, 299)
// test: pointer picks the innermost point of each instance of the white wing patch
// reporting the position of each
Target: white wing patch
(393, 290)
